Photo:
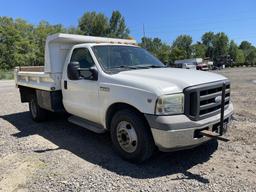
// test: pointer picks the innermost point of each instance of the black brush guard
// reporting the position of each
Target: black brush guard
(215, 135)
(219, 133)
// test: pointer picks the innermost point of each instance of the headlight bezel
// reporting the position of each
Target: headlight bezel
(170, 97)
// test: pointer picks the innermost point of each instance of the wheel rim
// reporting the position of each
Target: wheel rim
(127, 137)
(33, 108)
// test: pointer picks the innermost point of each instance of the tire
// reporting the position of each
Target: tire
(131, 136)
(38, 114)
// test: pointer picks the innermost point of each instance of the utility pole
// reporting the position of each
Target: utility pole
(145, 42)
(144, 31)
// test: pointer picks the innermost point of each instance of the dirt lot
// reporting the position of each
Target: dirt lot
(58, 156)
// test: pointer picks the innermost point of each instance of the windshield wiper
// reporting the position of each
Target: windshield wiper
(124, 67)
(148, 66)
(157, 66)
(138, 67)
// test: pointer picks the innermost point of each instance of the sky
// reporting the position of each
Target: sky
(165, 19)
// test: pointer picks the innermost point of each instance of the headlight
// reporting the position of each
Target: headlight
(170, 104)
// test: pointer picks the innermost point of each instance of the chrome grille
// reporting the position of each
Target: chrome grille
(203, 101)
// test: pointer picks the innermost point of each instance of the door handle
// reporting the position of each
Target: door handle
(65, 84)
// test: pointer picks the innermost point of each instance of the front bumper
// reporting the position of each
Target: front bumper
(176, 132)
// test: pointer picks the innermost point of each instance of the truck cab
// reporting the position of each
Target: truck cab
(114, 85)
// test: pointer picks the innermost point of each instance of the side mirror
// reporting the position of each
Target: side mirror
(89, 73)
(73, 71)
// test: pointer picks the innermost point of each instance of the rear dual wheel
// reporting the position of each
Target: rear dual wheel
(38, 114)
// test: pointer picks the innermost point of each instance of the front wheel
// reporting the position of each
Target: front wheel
(38, 114)
(131, 136)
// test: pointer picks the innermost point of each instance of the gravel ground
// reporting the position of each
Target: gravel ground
(58, 156)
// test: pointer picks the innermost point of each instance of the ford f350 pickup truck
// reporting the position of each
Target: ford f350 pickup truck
(114, 85)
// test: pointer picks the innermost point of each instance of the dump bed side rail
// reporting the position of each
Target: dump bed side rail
(38, 80)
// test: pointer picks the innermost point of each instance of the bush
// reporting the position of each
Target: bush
(6, 74)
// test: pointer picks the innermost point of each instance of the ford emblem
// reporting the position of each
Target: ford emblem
(217, 99)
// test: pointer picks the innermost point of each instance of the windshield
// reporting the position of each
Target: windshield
(118, 57)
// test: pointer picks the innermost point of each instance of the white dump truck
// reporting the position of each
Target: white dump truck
(114, 85)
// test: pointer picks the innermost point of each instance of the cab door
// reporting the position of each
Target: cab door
(81, 97)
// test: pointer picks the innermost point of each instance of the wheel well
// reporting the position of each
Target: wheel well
(117, 107)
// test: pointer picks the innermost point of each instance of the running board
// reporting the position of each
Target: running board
(86, 124)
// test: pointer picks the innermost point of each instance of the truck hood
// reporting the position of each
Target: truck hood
(164, 80)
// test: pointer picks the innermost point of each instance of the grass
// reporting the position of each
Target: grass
(6, 74)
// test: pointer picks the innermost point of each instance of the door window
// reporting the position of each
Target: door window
(83, 56)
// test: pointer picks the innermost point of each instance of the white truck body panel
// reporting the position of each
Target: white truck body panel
(38, 80)
(138, 86)
(82, 99)
(165, 80)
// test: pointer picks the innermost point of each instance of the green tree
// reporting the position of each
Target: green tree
(249, 52)
(183, 42)
(8, 37)
(157, 48)
(233, 50)
(16, 43)
(220, 45)
(94, 24)
(177, 54)
(207, 40)
(240, 58)
(73, 30)
(198, 50)
(25, 47)
(236, 54)
(245, 45)
(117, 26)
(40, 34)
(251, 57)
(97, 24)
